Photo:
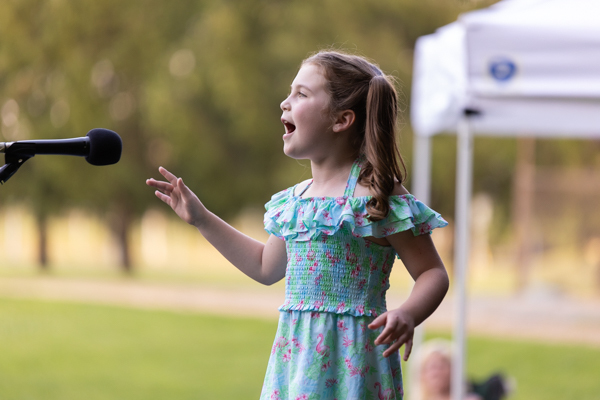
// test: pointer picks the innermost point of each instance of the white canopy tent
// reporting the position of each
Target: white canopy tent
(517, 68)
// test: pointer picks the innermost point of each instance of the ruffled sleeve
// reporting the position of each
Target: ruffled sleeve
(292, 218)
(275, 208)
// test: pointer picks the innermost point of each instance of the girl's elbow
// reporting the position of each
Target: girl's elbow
(270, 279)
(444, 280)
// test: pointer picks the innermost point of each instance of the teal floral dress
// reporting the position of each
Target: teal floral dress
(336, 283)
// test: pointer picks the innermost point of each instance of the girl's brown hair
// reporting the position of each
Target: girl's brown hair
(359, 85)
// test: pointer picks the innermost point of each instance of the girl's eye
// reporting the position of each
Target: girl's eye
(300, 94)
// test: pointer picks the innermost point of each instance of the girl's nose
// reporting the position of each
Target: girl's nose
(285, 105)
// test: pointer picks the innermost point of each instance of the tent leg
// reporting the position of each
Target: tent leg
(421, 188)
(464, 176)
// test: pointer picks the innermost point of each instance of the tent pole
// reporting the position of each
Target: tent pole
(464, 176)
(421, 188)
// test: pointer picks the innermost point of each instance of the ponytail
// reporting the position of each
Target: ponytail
(381, 168)
(358, 85)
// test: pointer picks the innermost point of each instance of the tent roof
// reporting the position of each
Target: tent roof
(528, 66)
(555, 14)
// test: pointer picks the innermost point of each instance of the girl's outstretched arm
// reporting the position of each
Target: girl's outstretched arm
(431, 284)
(264, 263)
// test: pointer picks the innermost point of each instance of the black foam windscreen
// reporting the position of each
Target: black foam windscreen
(105, 147)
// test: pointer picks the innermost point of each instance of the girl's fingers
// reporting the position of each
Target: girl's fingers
(377, 322)
(163, 196)
(387, 336)
(395, 346)
(392, 349)
(163, 186)
(185, 191)
(169, 176)
(408, 349)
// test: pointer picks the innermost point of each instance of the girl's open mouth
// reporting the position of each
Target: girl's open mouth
(289, 128)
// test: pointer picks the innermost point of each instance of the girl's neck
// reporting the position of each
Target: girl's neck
(330, 175)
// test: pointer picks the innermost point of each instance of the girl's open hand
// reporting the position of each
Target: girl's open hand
(177, 195)
(399, 329)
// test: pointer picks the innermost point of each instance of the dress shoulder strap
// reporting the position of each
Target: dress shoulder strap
(353, 178)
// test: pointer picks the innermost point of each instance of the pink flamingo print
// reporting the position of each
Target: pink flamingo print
(330, 382)
(298, 345)
(332, 259)
(354, 370)
(281, 342)
(318, 279)
(388, 231)
(319, 303)
(386, 264)
(347, 341)
(355, 272)
(327, 216)
(359, 218)
(387, 394)
(322, 349)
(351, 257)
(287, 356)
(425, 228)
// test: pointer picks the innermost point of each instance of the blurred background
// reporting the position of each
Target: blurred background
(195, 86)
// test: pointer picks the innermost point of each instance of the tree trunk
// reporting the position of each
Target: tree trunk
(122, 221)
(42, 223)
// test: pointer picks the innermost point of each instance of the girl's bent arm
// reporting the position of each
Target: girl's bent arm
(431, 284)
(264, 263)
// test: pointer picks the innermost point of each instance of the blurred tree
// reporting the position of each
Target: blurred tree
(192, 85)
(72, 66)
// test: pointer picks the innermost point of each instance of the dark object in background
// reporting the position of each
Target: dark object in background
(495, 387)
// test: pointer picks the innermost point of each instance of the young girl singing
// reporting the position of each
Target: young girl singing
(334, 238)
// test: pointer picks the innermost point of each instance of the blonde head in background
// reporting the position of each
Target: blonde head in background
(435, 371)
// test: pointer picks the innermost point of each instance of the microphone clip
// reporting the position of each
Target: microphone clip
(13, 163)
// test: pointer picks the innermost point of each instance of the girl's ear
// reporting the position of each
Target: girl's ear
(344, 120)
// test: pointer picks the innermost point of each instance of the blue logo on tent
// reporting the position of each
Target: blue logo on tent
(502, 69)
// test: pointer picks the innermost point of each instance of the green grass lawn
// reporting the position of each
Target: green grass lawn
(63, 351)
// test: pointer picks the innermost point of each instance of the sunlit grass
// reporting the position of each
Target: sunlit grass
(73, 351)
(63, 351)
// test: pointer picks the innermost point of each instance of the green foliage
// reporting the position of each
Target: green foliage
(193, 85)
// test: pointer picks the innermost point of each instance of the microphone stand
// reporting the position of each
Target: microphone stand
(12, 165)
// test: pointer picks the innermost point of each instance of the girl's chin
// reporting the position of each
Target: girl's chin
(289, 151)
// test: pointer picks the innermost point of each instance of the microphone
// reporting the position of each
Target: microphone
(99, 147)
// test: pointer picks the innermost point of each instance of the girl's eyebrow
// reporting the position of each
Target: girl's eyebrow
(301, 86)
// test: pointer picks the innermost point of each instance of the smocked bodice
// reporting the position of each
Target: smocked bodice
(331, 266)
